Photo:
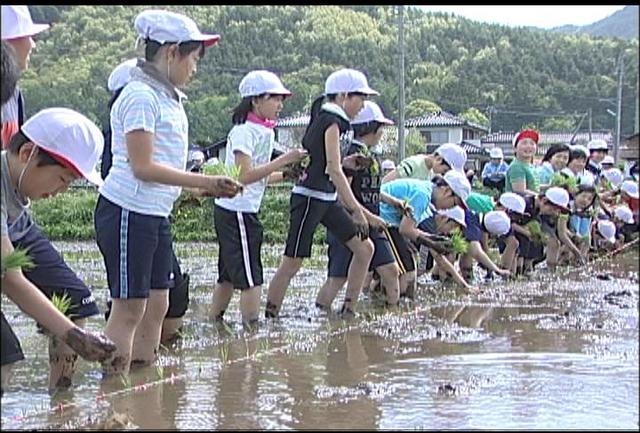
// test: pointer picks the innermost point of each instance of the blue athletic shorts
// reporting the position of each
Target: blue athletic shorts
(340, 256)
(136, 249)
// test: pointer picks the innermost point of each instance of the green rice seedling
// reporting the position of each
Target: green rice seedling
(563, 181)
(536, 231)
(160, 371)
(304, 163)
(459, 244)
(62, 303)
(18, 259)
(125, 379)
(221, 169)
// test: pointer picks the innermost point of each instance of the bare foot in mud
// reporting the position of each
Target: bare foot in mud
(114, 366)
(90, 346)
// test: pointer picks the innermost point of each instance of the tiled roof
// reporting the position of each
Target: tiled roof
(470, 148)
(552, 137)
(439, 118)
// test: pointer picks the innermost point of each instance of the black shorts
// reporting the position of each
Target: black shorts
(179, 293)
(340, 256)
(400, 248)
(53, 276)
(11, 351)
(136, 248)
(240, 239)
(305, 215)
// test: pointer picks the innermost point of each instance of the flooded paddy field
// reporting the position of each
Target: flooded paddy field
(549, 351)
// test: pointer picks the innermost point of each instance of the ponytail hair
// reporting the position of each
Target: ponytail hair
(242, 110)
(317, 105)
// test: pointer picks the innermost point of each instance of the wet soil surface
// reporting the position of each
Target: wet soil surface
(548, 351)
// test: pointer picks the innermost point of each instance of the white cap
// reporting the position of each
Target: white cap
(608, 159)
(371, 112)
(165, 26)
(513, 202)
(558, 196)
(453, 154)
(260, 82)
(16, 23)
(614, 175)
(497, 222)
(459, 183)
(586, 178)
(387, 164)
(607, 229)
(455, 213)
(69, 137)
(624, 214)
(121, 75)
(347, 81)
(495, 153)
(597, 144)
(581, 148)
(630, 187)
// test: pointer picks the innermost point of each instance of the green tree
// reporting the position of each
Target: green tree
(421, 107)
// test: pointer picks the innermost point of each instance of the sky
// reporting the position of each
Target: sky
(545, 17)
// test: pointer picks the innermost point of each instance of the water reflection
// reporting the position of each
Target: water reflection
(541, 353)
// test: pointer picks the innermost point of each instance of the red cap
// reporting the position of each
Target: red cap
(527, 133)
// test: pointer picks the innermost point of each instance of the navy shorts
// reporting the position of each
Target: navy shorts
(240, 239)
(10, 345)
(473, 231)
(305, 215)
(53, 276)
(340, 256)
(136, 249)
(400, 248)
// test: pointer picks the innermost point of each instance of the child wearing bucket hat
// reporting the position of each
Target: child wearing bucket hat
(149, 144)
(447, 156)
(598, 150)
(576, 166)
(238, 229)
(365, 185)
(314, 198)
(18, 30)
(53, 148)
(520, 176)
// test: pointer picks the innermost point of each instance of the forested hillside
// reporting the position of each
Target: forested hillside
(453, 62)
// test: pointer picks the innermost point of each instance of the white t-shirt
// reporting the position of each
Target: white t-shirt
(255, 141)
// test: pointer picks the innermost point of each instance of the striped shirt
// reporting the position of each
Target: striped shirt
(149, 105)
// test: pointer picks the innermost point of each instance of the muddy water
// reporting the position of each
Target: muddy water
(551, 351)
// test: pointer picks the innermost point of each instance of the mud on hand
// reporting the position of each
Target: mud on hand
(90, 346)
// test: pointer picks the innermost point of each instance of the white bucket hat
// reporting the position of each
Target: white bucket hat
(630, 187)
(459, 183)
(453, 154)
(388, 164)
(513, 202)
(607, 230)
(558, 196)
(614, 175)
(495, 153)
(624, 214)
(121, 75)
(70, 138)
(455, 213)
(597, 144)
(164, 26)
(259, 82)
(497, 222)
(347, 81)
(17, 23)
(608, 160)
(371, 112)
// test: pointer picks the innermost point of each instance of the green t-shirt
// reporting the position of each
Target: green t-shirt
(414, 167)
(519, 171)
(480, 203)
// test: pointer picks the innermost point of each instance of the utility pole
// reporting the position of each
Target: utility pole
(401, 147)
(616, 150)
(490, 118)
(590, 123)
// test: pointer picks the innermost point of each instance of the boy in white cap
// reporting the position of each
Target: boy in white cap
(238, 229)
(447, 156)
(149, 143)
(53, 148)
(598, 150)
(387, 166)
(17, 30)
(365, 185)
(605, 235)
(515, 207)
(493, 173)
(629, 195)
(608, 162)
(314, 198)
(625, 225)
(576, 166)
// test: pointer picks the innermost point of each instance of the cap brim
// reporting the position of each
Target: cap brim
(33, 30)
(368, 91)
(209, 40)
(385, 121)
